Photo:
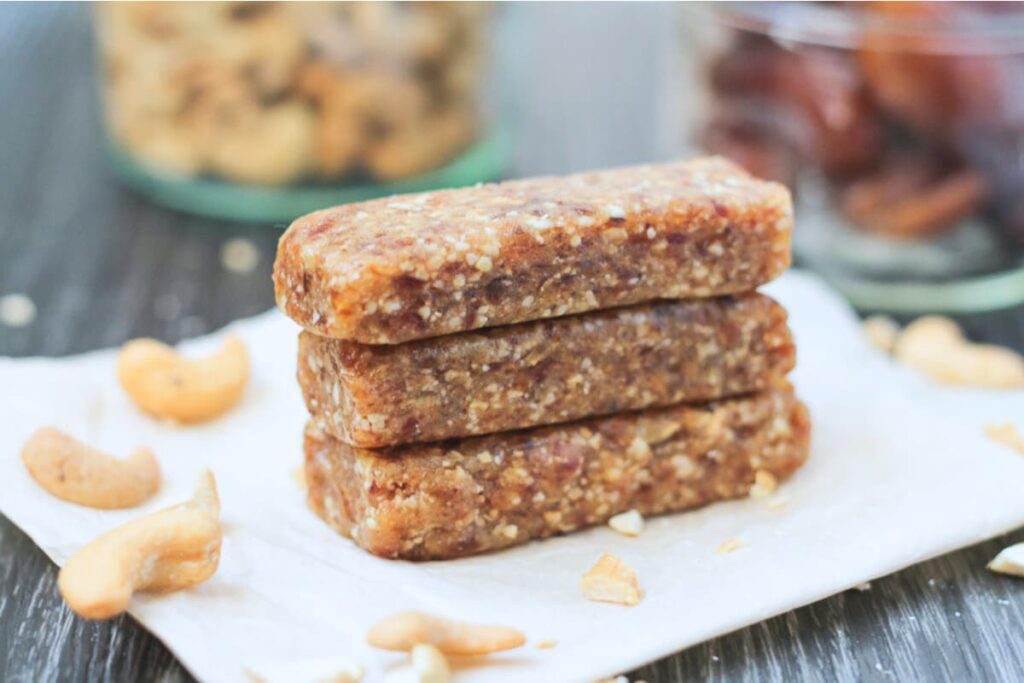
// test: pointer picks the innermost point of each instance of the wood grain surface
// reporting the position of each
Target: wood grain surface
(583, 86)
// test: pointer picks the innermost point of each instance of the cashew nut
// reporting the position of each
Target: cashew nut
(881, 332)
(79, 474)
(166, 385)
(935, 346)
(404, 630)
(611, 580)
(165, 551)
(426, 665)
(430, 664)
(1009, 561)
(1005, 434)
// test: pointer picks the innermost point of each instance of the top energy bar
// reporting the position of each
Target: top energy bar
(415, 266)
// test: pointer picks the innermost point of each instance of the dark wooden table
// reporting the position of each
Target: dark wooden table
(586, 86)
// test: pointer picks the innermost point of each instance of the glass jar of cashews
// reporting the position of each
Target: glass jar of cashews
(265, 111)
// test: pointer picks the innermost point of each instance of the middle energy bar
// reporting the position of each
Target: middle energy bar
(544, 372)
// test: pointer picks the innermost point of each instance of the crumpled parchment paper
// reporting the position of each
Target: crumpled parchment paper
(899, 471)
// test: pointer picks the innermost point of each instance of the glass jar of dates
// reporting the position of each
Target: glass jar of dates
(900, 129)
(266, 111)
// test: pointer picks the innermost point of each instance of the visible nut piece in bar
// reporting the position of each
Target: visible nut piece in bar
(544, 372)
(416, 266)
(435, 501)
(611, 580)
(79, 474)
(630, 523)
(764, 483)
(405, 630)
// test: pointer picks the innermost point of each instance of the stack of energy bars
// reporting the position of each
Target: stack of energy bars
(490, 365)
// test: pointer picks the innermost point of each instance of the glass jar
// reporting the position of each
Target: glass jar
(270, 110)
(900, 129)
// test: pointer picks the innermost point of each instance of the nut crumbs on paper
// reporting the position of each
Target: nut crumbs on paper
(1006, 434)
(611, 580)
(731, 545)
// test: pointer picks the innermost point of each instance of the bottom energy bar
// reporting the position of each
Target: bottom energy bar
(457, 498)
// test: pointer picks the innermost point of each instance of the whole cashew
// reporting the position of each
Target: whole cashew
(404, 630)
(936, 347)
(167, 550)
(79, 474)
(165, 384)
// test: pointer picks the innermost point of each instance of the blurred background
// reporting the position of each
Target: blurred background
(133, 133)
(141, 136)
(152, 154)
(151, 132)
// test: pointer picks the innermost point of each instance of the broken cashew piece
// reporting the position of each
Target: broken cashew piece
(165, 551)
(611, 580)
(404, 630)
(881, 332)
(430, 665)
(167, 385)
(1005, 434)
(1010, 560)
(936, 347)
(72, 471)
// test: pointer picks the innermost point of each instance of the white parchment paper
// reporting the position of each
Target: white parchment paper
(899, 471)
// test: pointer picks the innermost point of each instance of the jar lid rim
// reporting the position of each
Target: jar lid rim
(967, 29)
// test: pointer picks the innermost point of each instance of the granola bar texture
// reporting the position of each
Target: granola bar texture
(417, 266)
(544, 372)
(469, 496)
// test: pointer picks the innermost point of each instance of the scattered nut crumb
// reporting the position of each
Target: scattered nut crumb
(627, 523)
(299, 476)
(778, 502)
(611, 580)
(1009, 561)
(430, 665)
(729, 546)
(935, 346)
(764, 483)
(1005, 434)
(404, 630)
(239, 255)
(17, 310)
(866, 586)
(546, 644)
(881, 331)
